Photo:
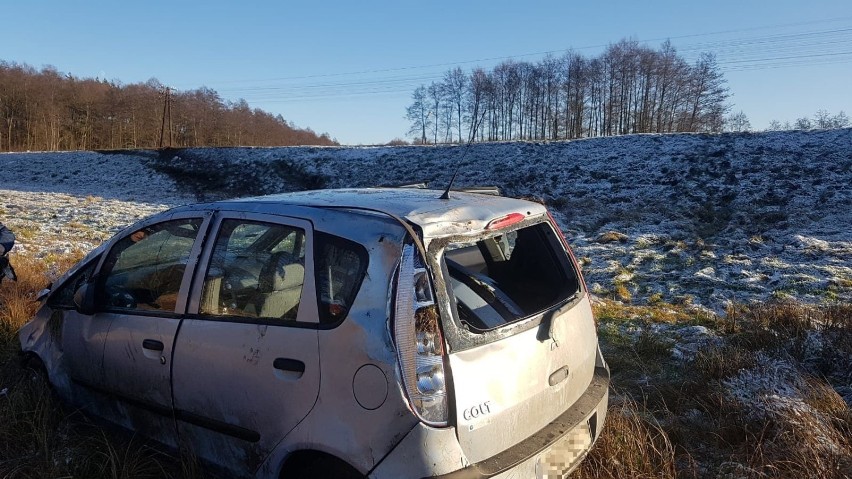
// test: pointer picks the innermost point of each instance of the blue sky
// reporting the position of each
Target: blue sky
(348, 68)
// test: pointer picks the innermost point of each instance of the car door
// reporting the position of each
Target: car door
(81, 338)
(246, 363)
(141, 290)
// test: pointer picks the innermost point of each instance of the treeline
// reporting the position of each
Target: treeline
(822, 120)
(629, 88)
(47, 110)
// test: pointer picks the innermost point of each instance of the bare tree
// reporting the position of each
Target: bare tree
(49, 110)
(803, 123)
(775, 125)
(737, 122)
(435, 95)
(418, 113)
(823, 120)
(455, 87)
(840, 120)
(630, 88)
(476, 104)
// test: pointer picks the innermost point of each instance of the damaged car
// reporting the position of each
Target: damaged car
(380, 332)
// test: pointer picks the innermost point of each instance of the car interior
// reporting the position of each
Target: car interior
(501, 279)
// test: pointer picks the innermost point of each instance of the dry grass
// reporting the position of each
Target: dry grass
(632, 445)
(685, 422)
(39, 436)
(726, 412)
(718, 363)
(659, 312)
(622, 293)
(612, 237)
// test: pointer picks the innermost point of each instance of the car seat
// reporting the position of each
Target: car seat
(279, 288)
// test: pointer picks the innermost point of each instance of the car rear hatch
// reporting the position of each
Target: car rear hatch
(521, 340)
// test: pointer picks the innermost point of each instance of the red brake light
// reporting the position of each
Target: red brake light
(504, 221)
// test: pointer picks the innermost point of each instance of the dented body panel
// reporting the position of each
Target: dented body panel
(210, 370)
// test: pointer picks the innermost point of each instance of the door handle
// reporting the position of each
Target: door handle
(558, 376)
(286, 364)
(153, 345)
(288, 369)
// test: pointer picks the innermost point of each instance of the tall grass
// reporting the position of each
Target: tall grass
(763, 401)
(632, 445)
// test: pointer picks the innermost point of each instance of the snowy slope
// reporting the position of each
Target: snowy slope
(703, 218)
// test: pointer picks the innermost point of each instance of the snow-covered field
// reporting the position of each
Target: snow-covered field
(692, 218)
(700, 220)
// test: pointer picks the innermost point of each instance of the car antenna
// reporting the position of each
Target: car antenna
(446, 194)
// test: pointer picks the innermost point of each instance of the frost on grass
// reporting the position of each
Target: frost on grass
(58, 224)
(682, 342)
(778, 392)
(770, 214)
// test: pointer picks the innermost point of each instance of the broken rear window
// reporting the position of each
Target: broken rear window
(504, 278)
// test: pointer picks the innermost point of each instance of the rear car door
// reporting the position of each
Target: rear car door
(246, 365)
(140, 293)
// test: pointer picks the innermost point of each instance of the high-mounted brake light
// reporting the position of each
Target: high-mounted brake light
(504, 221)
(419, 342)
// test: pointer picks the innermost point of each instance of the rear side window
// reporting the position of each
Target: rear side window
(340, 266)
(501, 279)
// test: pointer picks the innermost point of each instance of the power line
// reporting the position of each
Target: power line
(524, 55)
(769, 51)
(417, 78)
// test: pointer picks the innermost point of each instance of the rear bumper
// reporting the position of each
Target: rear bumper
(436, 453)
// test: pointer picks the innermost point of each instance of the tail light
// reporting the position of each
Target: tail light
(419, 342)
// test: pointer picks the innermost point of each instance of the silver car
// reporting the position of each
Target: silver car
(379, 333)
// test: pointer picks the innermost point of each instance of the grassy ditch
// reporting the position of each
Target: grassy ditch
(762, 392)
(214, 177)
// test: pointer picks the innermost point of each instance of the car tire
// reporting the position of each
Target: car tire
(33, 370)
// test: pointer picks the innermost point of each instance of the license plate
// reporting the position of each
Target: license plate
(564, 454)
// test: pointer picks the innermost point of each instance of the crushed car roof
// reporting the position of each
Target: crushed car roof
(462, 212)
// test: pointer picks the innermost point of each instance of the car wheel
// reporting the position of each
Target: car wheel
(34, 371)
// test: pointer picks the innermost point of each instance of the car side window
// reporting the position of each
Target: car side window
(257, 270)
(340, 267)
(63, 298)
(144, 271)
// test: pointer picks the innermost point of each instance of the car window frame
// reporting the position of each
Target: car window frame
(323, 239)
(456, 333)
(307, 316)
(189, 272)
(93, 262)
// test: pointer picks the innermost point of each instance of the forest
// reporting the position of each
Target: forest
(45, 110)
(629, 88)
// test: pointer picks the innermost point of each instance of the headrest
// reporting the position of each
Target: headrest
(281, 272)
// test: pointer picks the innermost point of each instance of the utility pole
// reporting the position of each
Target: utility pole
(167, 111)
